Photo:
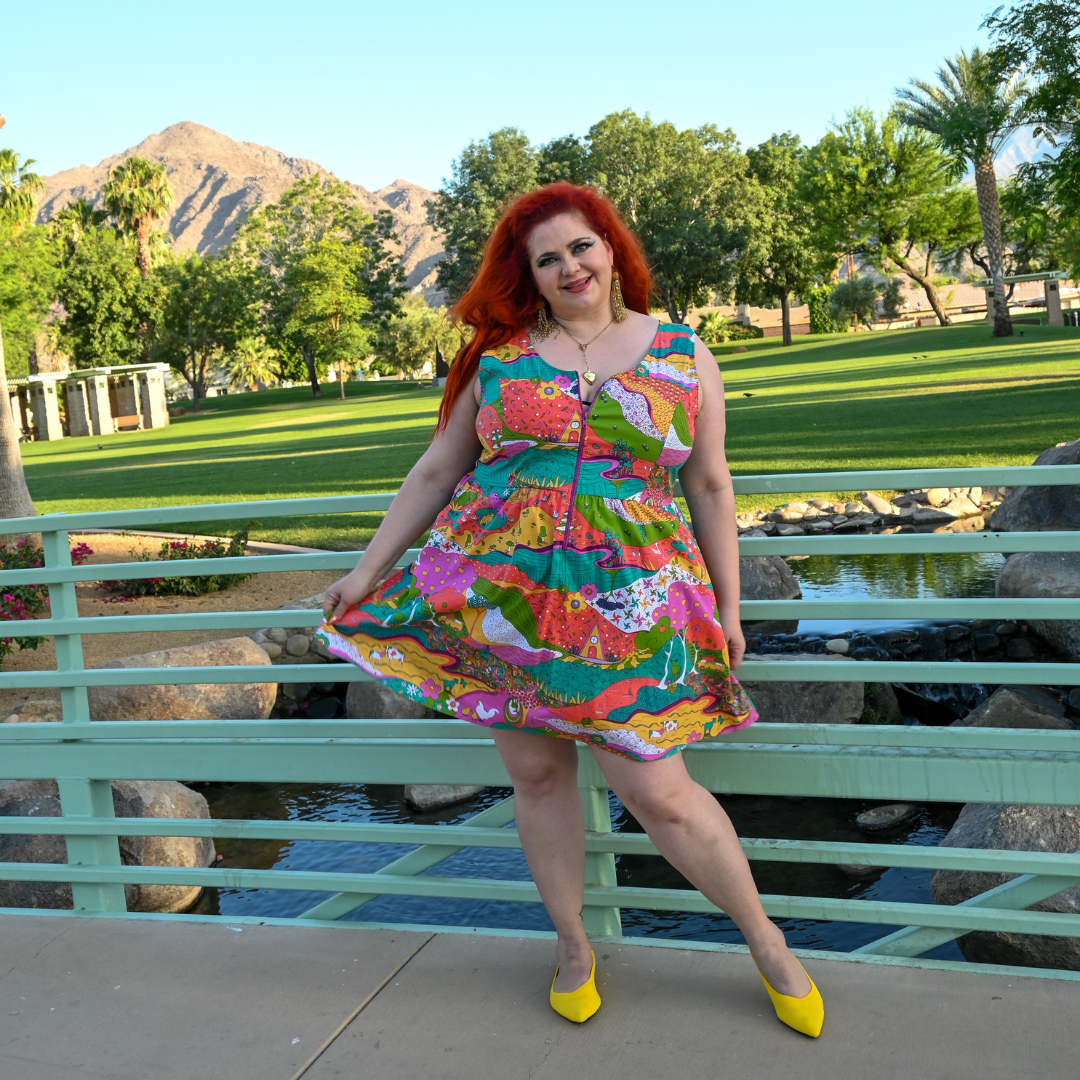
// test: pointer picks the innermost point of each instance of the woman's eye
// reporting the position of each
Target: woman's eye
(584, 245)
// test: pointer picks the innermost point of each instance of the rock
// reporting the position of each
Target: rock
(259, 636)
(884, 817)
(837, 645)
(1019, 649)
(739, 349)
(957, 633)
(996, 827)
(1006, 629)
(852, 508)
(425, 797)
(938, 496)
(785, 529)
(805, 702)
(986, 641)
(926, 515)
(1046, 574)
(1074, 699)
(278, 634)
(819, 504)
(374, 700)
(200, 701)
(296, 691)
(797, 507)
(271, 648)
(37, 711)
(877, 503)
(1017, 707)
(880, 705)
(961, 507)
(298, 644)
(1042, 509)
(768, 577)
(856, 871)
(131, 798)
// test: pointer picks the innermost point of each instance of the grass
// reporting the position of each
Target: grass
(897, 399)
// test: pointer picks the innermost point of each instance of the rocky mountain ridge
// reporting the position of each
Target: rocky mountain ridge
(217, 181)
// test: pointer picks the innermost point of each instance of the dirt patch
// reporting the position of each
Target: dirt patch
(261, 592)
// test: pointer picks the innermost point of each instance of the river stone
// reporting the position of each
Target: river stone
(199, 701)
(768, 577)
(877, 503)
(1043, 509)
(131, 798)
(1017, 707)
(425, 797)
(298, 644)
(1019, 828)
(804, 702)
(884, 817)
(1046, 574)
(838, 645)
(880, 705)
(374, 700)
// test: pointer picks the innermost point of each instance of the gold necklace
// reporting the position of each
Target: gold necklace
(588, 374)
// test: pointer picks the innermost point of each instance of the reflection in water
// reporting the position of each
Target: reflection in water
(818, 819)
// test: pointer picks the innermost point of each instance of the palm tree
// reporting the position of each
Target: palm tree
(15, 499)
(19, 189)
(971, 113)
(72, 223)
(251, 363)
(137, 193)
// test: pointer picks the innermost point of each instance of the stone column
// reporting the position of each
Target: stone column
(127, 403)
(77, 407)
(1053, 304)
(46, 411)
(97, 393)
(990, 305)
(152, 404)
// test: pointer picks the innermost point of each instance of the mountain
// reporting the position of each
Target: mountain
(216, 181)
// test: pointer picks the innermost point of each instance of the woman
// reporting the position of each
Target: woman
(562, 592)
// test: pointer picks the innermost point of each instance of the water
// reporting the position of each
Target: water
(897, 576)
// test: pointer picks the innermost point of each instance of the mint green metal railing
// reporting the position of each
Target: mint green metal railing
(926, 764)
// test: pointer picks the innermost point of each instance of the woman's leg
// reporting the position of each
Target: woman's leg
(547, 810)
(691, 831)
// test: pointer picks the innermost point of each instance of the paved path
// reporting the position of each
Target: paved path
(143, 1000)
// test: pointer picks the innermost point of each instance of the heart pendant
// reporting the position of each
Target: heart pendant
(589, 376)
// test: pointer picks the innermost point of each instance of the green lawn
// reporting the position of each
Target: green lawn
(906, 398)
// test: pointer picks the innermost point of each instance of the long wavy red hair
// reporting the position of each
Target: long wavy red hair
(503, 298)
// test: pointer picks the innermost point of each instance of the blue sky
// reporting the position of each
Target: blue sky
(378, 91)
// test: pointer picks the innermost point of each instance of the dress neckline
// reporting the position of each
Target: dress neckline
(577, 374)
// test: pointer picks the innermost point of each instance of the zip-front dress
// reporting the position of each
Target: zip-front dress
(562, 590)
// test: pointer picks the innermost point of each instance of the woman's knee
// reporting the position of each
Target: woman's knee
(660, 804)
(540, 771)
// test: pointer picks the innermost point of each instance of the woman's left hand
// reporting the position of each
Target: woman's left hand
(736, 643)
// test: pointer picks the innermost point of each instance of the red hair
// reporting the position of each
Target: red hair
(503, 298)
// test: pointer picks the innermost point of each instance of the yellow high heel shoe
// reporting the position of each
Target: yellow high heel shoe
(578, 1005)
(805, 1014)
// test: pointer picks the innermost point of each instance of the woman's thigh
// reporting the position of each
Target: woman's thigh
(656, 787)
(534, 760)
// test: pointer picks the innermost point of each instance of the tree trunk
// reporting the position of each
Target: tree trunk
(341, 378)
(785, 313)
(904, 266)
(309, 363)
(989, 211)
(15, 501)
(193, 381)
(142, 240)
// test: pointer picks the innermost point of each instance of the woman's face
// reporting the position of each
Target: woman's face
(571, 265)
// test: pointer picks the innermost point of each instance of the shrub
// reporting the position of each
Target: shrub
(715, 329)
(821, 321)
(852, 302)
(19, 602)
(185, 586)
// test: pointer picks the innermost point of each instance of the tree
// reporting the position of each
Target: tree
(780, 259)
(852, 301)
(250, 362)
(74, 222)
(28, 278)
(487, 175)
(971, 113)
(885, 190)
(687, 194)
(137, 193)
(408, 343)
(278, 237)
(893, 301)
(19, 189)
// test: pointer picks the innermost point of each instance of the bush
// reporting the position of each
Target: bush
(715, 329)
(27, 601)
(185, 586)
(821, 321)
(852, 302)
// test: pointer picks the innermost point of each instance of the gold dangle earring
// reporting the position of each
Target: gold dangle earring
(545, 324)
(617, 304)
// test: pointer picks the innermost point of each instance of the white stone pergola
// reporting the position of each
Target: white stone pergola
(96, 401)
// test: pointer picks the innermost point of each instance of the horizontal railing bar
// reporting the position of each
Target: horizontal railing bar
(928, 543)
(749, 610)
(779, 670)
(212, 731)
(434, 886)
(461, 836)
(908, 479)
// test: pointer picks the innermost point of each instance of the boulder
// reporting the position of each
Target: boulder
(426, 797)
(373, 700)
(36, 711)
(1017, 707)
(877, 503)
(805, 702)
(1043, 509)
(880, 705)
(1046, 574)
(198, 701)
(131, 798)
(768, 577)
(1019, 828)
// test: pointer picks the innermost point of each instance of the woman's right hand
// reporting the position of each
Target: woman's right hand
(343, 594)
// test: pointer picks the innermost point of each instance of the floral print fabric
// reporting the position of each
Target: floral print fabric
(562, 590)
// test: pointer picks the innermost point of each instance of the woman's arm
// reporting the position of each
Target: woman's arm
(426, 491)
(706, 485)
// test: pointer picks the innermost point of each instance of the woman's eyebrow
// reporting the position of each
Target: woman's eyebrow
(580, 239)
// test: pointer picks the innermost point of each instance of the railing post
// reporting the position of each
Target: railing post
(600, 922)
(80, 797)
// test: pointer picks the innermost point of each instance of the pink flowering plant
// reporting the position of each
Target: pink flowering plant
(19, 602)
(185, 586)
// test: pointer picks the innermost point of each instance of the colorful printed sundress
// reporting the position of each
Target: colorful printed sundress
(562, 590)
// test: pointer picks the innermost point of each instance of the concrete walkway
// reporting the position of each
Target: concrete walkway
(161, 1000)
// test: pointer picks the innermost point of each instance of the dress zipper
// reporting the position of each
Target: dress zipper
(584, 411)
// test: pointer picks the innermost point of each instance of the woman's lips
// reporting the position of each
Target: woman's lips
(578, 286)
